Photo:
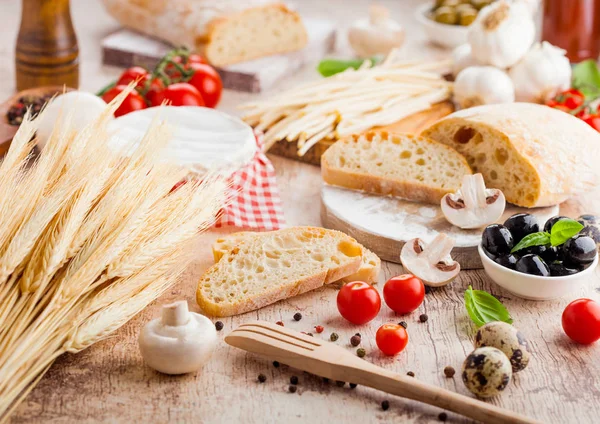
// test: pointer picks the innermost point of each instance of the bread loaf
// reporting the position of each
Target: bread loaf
(278, 265)
(225, 31)
(368, 271)
(538, 156)
(411, 167)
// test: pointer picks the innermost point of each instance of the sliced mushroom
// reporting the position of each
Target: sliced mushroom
(431, 262)
(473, 206)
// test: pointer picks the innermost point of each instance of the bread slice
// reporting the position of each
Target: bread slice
(368, 271)
(254, 33)
(262, 270)
(412, 167)
(537, 156)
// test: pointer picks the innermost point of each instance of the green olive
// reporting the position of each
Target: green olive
(451, 3)
(438, 3)
(480, 4)
(466, 18)
(465, 8)
(446, 15)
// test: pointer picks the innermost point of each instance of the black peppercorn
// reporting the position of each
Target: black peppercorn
(219, 325)
(353, 385)
(385, 405)
(276, 364)
(449, 371)
(355, 340)
(334, 337)
(340, 383)
(292, 389)
(294, 380)
(403, 324)
(423, 317)
(443, 416)
(297, 316)
(410, 374)
(262, 378)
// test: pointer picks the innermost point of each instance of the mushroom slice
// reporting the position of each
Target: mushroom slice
(431, 262)
(473, 206)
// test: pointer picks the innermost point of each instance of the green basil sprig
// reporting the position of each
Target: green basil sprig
(329, 67)
(586, 78)
(560, 232)
(482, 307)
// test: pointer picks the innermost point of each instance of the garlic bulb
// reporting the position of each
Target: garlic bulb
(501, 34)
(462, 58)
(483, 85)
(377, 35)
(541, 74)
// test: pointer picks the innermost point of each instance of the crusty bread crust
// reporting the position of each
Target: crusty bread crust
(363, 181)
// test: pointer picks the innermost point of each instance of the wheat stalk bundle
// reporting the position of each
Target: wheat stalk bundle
(89, 236)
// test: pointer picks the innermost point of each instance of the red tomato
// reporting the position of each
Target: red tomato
(195, 58)
(179, 94)
(404, 294)
(133, 101)
(593, 121)
(136, 73)
(208, 82)
(572, 98)
(391, 339)
(358, 302)
(156, 86)
(581, 321)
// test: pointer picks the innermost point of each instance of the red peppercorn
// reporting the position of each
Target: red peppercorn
(279, 323)
(319, 329)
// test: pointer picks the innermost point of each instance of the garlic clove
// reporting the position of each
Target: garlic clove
(377, 35)
(483, 85)
(462, 58)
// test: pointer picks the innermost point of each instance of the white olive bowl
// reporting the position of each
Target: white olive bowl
(534, 287)
(445, 35)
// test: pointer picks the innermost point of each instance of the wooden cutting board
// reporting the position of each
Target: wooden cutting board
(384, 224)
(413, 124)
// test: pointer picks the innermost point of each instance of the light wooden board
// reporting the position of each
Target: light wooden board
(383, 224)
(413, 124)
(126, 48)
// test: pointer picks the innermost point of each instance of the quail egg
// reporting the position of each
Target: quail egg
(508, 339)
(591, 228)
(486, 372)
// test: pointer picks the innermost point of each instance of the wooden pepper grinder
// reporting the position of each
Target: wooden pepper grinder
(46, 51)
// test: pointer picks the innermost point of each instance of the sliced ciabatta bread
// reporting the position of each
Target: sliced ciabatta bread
(262, 270)
(412, 167)
(368, 271)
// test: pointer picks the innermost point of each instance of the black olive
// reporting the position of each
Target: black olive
(533, 265)
(579, 250)
(547, 253)
(521, 225)
(508, 261)
(550, 223)
(497, 240)
(559, 269)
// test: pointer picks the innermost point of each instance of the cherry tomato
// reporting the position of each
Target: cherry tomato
(404, 294)
(593, 121)
(358, 302)
(133, 101)
(178, 94)
(208, 82)
(156, 86)
(581, 321)
(391, 339)
(171, 70)
(195, 58)
(136, 73)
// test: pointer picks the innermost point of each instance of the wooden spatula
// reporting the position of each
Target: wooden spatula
(328, 360)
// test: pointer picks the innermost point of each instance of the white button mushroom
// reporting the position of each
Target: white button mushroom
(376, 35)
(431, 262)
(473, 206)
(179, 342)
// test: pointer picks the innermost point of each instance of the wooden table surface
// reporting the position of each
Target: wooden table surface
(109, 382)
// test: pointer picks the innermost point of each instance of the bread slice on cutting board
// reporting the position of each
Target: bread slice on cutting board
(281, 264)
(368, 271)
(537, 156)
(412, 167)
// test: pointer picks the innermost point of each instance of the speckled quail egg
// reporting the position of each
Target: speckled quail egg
(486, 372)
(591, 228)
(508, 339)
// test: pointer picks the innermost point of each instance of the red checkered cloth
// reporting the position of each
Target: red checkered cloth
(256, 203)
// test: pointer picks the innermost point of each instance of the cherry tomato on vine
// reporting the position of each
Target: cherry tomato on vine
(208, 82)
(133, 101)
(404, 293)
(391, 339)
(156, 86)
(593, 121)
(358, 302)
(195, 58)
(581, 321)
(178, 94)
(567, 100)
(135, 73)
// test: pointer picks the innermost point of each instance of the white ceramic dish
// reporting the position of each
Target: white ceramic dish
(534, 287)
(442, 34)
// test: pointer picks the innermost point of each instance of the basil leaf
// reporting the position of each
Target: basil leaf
(533, 239)
(482, 307)
(563, 230)
(329, 67)
(586, 78)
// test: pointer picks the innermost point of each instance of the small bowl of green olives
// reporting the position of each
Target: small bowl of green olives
(446, 22)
